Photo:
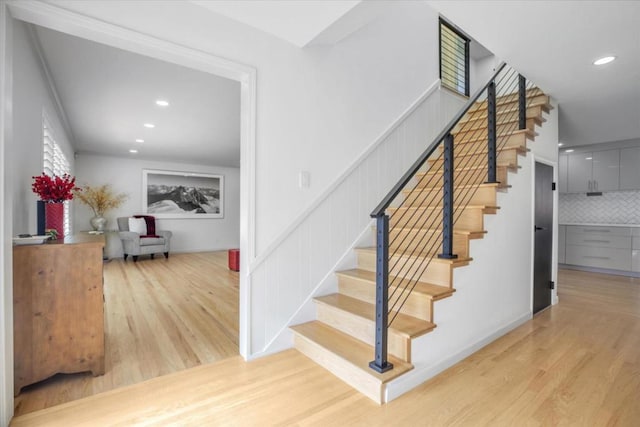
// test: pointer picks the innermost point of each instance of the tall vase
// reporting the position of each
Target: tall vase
(54, 213)
(98, 223)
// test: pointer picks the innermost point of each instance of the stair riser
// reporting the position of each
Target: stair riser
(501, 175)
(480, 121)
(480, 148)
(436, 273)
(501, 130)
(363, 329)
(509, 156)
(505, 112)
(515, 139)
(411, 245)
(512, 101)
(433, 197)
(365, 384)
(470, 219)
(417, 305)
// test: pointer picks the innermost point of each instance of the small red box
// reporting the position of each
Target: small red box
(234, 259)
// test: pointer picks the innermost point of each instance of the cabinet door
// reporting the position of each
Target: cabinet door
(579, 172)
(606, 170)
(629, 168)
(563, 166)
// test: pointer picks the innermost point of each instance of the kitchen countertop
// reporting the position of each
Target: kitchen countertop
(599, 225)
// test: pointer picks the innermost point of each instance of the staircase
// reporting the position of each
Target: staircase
(342, 337)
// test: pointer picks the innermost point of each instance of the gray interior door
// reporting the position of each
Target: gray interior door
(543, 232)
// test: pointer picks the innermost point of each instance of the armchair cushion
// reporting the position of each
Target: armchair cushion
(138, 225)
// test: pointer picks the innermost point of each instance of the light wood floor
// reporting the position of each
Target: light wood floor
(161, 316)
(576, 364)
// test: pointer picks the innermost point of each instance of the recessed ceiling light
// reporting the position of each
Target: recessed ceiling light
(149, 125)
(560, 144)
(133, 151)
(588, 158)
(162, 103)
(604, 60)
(139, 140)
(568, 151)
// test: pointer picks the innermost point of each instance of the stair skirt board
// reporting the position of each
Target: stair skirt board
(341, 338)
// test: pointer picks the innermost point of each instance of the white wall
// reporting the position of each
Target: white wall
(6, 213)
(32, 96)
(125, 176)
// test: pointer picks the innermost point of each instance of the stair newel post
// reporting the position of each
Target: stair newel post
(447, 200)
(522, 102)
(380, 364)
(491, 133)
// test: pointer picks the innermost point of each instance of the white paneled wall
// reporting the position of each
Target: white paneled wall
(301, 264)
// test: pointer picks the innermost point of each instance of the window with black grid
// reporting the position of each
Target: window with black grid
(55, 163)
(454, 59)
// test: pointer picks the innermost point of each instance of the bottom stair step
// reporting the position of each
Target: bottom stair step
(346, 357)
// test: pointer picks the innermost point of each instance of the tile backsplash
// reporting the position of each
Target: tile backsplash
(617, 207)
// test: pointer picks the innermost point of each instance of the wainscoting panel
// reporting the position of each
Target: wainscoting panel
(301, 263)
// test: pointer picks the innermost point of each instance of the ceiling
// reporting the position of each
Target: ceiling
(554, 44)
(298, 22)
(108, 94)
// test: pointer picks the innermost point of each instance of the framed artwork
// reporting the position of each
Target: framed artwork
(171, 194)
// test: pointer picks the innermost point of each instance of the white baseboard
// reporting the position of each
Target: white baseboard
(419, 375)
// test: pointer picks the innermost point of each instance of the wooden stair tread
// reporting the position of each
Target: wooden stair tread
(405, 325)
(434, 292)
(509, 166)
(457, 262)
(423, 190)
(440, 207)
(508, 99)
(472, 125)
(355, 352)
(542, 102)
(462, 231)
(528, 134)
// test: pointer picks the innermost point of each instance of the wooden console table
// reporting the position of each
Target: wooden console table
(58, 309)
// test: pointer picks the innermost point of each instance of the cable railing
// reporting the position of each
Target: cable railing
(434, 194)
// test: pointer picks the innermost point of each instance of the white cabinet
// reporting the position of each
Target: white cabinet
(600, 247)
(596, 171)
(563, 166)
(562, 243)
(579, 173)
(630, 168)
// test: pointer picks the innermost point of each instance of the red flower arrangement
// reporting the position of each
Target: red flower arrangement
(54, 189)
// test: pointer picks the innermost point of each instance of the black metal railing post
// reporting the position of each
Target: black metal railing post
(447, 200)
(522, 102)
(491, 132)
(380, 364)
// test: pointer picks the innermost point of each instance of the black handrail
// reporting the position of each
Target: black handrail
(402, 183)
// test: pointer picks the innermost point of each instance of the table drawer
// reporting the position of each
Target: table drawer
(602, 240)
(588, 229)
(598, 257)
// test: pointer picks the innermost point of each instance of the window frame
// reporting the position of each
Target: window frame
(54, 162)
(467, 42)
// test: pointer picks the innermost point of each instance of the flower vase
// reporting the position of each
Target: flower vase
(54, 218)
(98, 223)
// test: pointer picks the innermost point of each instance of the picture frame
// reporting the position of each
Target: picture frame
(182, 195)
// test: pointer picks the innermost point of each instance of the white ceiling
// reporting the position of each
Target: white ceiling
(108, 94)
(554, 43)
(298, 22)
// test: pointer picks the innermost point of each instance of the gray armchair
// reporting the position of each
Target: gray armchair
(135, 244)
